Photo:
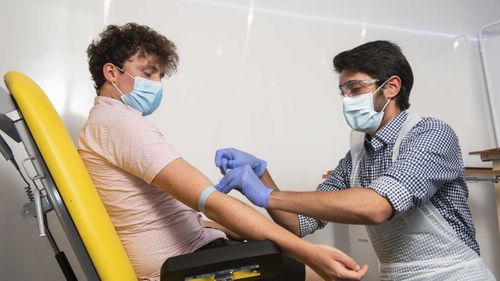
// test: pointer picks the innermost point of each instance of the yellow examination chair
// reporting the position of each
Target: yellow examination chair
(58, 181)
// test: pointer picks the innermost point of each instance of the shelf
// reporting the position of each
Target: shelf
(488, 154)
(482, 172)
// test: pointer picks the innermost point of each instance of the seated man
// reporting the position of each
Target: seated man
(148, 190)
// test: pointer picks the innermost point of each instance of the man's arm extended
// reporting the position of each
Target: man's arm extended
(353, 205)
(333, 201)
(185, 183)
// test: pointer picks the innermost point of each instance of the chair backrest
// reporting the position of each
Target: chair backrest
(71, 179)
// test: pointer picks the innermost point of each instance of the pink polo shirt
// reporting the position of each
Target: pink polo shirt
(123, 153)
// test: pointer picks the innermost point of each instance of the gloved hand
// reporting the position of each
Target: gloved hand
(246, 181)
(230, 158)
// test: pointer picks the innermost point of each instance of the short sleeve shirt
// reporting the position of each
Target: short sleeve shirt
(123, 153)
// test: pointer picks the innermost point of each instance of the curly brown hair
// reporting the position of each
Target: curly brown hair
(116, 44)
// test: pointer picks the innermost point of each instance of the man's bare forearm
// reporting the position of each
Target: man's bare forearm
(353, 205)
(226, 210)
(288, 220)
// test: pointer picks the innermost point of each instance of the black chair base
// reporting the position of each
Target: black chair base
(246, 261)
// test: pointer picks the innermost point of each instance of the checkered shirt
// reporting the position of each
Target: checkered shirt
(429, 168)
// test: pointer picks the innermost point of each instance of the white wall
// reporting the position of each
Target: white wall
(256, 75)
(490, 43)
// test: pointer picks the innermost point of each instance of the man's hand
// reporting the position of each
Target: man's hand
(333, 264)
(230, 158)
(246, 181)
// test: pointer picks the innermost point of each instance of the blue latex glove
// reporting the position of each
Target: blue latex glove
(230, 158)
(246, 181)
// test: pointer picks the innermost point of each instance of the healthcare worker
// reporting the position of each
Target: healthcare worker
(403, 177)
(150, 192)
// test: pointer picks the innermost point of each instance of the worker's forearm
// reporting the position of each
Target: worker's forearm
(354, 205)
(288, 220)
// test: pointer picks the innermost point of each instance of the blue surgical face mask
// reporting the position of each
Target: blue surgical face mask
(360, 114)
(145, 97)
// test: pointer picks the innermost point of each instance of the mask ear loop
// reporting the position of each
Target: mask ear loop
(388, 100)
(116, 87)
(123, 70)
(113, 83)
(386, 104)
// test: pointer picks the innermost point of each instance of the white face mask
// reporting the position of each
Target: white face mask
(360, 114)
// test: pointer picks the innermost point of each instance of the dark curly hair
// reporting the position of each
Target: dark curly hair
(381, 60)
(116, 44)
